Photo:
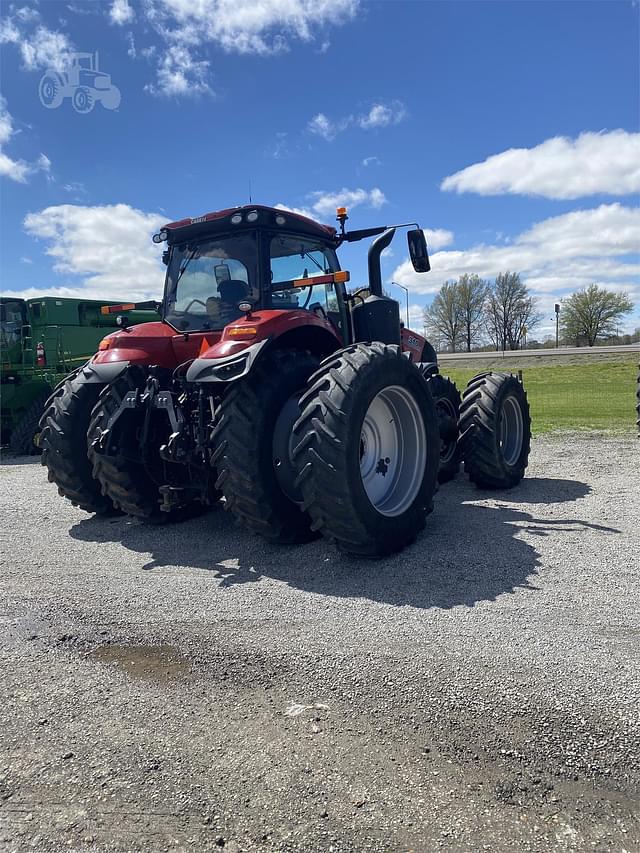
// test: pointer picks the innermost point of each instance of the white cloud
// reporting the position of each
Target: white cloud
(379, 115)
(371, 161)
(437, 238)
(131, 50)
(325, 203)
(40, 48)
(43, 163)
(301, 211)
(320, 125)
(121, 12)
(250, 26)
(25, 260)
(555, 256)
(382, 115)
(104, 251)
(178, 73)
(280, 148)
(76, 187)
(559, 168)
(261, 27)
(6, 122)
(16, 170)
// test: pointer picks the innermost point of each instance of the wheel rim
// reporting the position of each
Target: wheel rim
(448, 417)
(511, 431)
(393, 450)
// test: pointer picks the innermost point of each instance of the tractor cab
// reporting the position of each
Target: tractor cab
(208, 279)
(255, 272)
(244, 255)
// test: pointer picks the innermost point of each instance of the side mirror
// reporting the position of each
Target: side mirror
(418, 250)
(222, 273)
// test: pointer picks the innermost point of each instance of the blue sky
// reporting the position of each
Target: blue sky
(402, 110)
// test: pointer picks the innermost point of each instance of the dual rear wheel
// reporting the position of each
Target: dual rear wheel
(348, 449)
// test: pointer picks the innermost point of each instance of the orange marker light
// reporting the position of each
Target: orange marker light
(242, 332)
(104, 344)
(340, 276)
(115, 309)
(341, 211)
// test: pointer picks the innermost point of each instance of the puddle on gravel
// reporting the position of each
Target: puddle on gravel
(152, 663)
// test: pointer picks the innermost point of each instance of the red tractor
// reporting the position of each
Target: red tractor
(310, 409)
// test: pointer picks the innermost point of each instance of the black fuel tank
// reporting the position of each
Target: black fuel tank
(377, 319)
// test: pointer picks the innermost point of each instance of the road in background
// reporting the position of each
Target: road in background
(523, 353)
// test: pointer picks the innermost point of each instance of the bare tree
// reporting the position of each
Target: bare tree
(442, 319)
(472, 294)
(510, 311)
(592, 313)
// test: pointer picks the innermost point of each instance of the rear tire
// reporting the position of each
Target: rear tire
(63, 441)
(495, 430)
(367, 401)
(246, 455)
(22, 437)
(447, 400)
(125, 482)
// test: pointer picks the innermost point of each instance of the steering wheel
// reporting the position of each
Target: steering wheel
(186, 310)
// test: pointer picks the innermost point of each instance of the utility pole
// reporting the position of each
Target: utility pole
(406, 290)
(557, 310)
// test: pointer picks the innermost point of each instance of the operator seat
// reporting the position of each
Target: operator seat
(224, 309)
(234, 290)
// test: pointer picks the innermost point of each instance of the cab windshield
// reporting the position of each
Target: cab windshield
(11, 322)
(207, 280)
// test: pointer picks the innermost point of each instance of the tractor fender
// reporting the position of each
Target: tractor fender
(103, 373)
(230, 358)
(229, 367)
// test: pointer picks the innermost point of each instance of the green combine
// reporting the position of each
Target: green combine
(42, 341)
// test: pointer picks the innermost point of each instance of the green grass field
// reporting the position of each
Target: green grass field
(594, 395)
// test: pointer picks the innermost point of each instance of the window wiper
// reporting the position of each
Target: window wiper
(313, 261)
(186, 263)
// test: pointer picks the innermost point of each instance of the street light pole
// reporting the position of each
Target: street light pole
(557, 310)
(406, 290)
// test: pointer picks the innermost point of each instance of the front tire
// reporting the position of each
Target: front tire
(63, 441)
(255, 473)
(83, 100)
(22, 441)
(368, 416)
(495, 430)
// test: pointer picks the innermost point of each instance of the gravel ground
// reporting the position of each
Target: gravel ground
(193, 688)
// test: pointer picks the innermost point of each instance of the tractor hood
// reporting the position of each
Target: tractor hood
(152, 344)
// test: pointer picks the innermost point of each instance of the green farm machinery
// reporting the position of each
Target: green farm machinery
(42, 341)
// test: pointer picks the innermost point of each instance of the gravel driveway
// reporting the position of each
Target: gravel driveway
(194, 688)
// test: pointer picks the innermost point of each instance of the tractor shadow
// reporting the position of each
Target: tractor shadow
(475, 547)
